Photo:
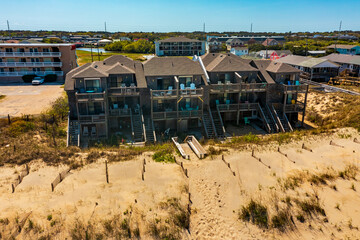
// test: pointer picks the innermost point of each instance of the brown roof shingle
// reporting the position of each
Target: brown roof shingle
(171, 66)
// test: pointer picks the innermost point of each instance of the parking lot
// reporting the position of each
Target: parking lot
(27, 99)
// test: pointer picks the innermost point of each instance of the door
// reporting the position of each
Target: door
(160, 84)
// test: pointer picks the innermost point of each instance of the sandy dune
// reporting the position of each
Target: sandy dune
(216, 194)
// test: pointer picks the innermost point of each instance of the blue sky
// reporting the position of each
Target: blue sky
(185, 15)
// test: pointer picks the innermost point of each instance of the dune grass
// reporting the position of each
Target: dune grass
(85, 56)
(2, 97)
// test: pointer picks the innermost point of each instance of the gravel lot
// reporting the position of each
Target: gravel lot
(27, 99)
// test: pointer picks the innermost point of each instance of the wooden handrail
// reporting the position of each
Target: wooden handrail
(221, 121)
(272, 117)
(277, 119)
(212, 121)
(264, 118)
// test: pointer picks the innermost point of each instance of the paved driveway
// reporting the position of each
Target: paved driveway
(27, 99)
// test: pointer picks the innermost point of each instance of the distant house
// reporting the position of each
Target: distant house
(239, 51)
(345, 49)
(179, 46)
(233, 42)
(270, 42)
(122, 39)
(346, 61)
(316, 68)
(273, 54)
(317, 52)
(104, 42)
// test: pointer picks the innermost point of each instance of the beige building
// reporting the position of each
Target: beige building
(41, 59)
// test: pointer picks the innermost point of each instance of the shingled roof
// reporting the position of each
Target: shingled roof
(116, 64)
(268, 66)
(171, 66)
(179, 39)
(215, 62)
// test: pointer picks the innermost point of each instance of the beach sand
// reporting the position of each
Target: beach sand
(216, 194)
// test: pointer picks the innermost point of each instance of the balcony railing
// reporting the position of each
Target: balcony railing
(22, 73)
(237, 107)
(163, 93)
(295, 88)
(164, 115)
(238, 87)
(174, 115)
(187, 92)
(124, 112)
(30, 64)
(81, 97)
(30, 54)
(92, 118)
(123, 91)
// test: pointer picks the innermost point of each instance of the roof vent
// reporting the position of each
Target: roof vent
(95, 66)
(104, 63)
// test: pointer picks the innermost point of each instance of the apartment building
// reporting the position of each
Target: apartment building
(317, 69)
(18, 59)
(141, 102)
(179, 46)
(345, 49)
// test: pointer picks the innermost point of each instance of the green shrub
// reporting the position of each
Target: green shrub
(256, 213)
(20, 127)
(28, 78)
(281, 221)
(164, 155)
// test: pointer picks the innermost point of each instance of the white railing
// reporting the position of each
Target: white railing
(22, 73)
(30, 64)
(30, 54)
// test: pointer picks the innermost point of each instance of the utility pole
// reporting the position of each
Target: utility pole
(105, 27)
(338, 35)
(251, 28)
(267, 43)
(92, 58)
(8, 25)
(306, 51)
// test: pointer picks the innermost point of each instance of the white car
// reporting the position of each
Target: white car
(37, 81)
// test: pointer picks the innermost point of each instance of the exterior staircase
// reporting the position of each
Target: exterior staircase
(138, 128)
(282, 120)
(208, 126)
(149, 130)
(270, 119)
(219, 126)
(74, 131)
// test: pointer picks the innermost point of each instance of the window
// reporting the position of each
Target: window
(92, 84)
(95, 108)
(2, 70)
(115, 81)
(8, 50)
(47, 59)
(11, 69)
(46, 50)
(186, 80)
(10, 60)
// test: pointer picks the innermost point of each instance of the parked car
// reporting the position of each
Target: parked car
(37, 81)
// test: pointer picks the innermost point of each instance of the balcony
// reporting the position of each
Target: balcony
(188, 92)
(123, 91)
(295, 88)
(237, 107)
(168, 115)
(22, 73)
(30, 54)
(30, 64)
(159, 94)
(237, 87)
(92, 118)
(90, 96)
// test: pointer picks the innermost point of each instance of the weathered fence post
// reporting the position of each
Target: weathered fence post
(106, 172)
(9, 119)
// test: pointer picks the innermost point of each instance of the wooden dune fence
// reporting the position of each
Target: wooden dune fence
(62, 175)
(20, 177)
